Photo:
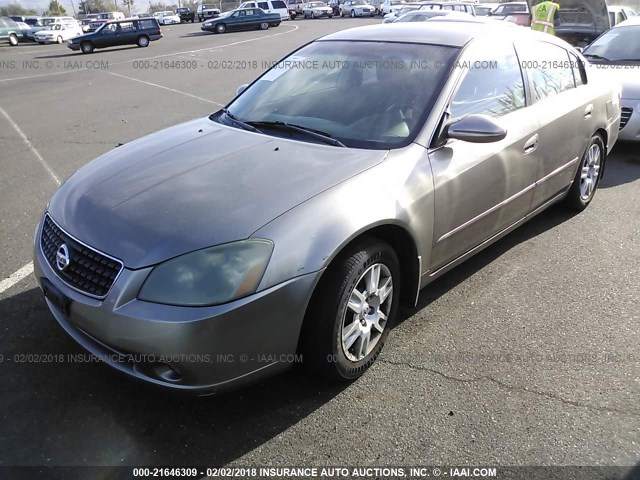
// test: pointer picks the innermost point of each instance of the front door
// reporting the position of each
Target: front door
(482, 188)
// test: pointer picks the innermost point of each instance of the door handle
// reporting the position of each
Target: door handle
(588, 111)
(531, 145)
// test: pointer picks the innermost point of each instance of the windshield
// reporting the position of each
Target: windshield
(408, 8)
(397, 2)
(208, 7)
(373, 95)
(317, 5)
(359, 2)
(620, 43)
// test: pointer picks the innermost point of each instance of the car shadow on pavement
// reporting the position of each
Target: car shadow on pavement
(196, 34)
(625, 168)
(550, 218)
(65, 412)
(88, 57)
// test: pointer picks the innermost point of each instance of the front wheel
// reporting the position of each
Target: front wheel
(264, 26)
(353, 14)
(313, 15)
(86, 47)
(350, 315)
(587, 177)
(221, 28)
(59, 40)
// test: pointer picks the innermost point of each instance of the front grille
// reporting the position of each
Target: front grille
(88, 271)
(625, 116)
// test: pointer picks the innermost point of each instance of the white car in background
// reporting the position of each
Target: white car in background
(391, 6)
(57, 33)
(168, 18)
(357, 8)
(616, 55)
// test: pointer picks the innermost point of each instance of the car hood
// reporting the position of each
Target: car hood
(580, 16)
(195, 185)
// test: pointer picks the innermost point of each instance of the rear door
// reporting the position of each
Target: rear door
(482, 188)
(566, 120)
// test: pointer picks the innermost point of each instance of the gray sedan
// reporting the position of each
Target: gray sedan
(287, 228)
(317, 10)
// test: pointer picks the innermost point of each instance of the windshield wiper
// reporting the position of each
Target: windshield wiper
(240, 123)
(317, 134)
(595, 57)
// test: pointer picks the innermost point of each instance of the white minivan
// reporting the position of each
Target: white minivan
(269, 6)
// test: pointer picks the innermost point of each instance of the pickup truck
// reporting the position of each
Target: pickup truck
(207, 12)
(186, 15)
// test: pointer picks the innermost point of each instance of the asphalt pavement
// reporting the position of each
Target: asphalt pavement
(527, 354)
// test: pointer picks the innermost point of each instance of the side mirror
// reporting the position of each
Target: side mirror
(241, 89)
(579, 49)
(476, 129)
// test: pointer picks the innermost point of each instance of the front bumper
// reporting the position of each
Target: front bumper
(202, 350)
(631, 131)
(322, 14)
(74, 46)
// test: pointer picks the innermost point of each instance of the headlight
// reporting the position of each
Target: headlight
(209, 277)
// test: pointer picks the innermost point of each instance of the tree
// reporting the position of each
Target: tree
(160, 7)
(128, 4)
(15, 9)
(55, 8)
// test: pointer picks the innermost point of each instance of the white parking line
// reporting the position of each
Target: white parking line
(15, 277)
(166, 88)
(31, 147)
(25, 271)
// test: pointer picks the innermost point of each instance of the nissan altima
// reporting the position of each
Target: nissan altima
(290, 225)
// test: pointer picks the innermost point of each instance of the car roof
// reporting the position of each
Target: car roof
(453, 33)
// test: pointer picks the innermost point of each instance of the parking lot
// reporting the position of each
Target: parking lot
(528, 354)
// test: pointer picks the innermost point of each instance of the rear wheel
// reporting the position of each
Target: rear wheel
(264, 26)
(585, 182)
(13, 40)
(143, 41)
(59, 40)
(86, 47)
(350, 315)
(221, 28)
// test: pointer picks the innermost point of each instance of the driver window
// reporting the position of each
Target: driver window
(492, 83)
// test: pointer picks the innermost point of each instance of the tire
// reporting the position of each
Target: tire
(264, 26)
(41, 43)
(331, 16)
(313, 15)
(86, 47)
(13, 40)
(221, 28)
(59, 40)
(585, 183)
(341, 13)
(143, 41)
(333, 340)
(353, 14)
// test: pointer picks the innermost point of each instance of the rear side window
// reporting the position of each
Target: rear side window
(147, 24)
(278, 4)
(550, 69)
(492, 83)
(263, 5)
(579, 73)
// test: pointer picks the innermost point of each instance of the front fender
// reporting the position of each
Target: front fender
(398, 191)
